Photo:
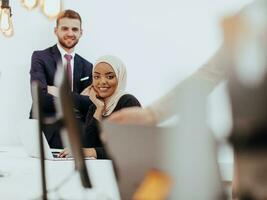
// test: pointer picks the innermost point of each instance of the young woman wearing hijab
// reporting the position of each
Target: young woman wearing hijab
(107, 92)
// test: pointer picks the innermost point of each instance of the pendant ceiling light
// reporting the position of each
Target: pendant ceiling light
(6, 25)
(50, 8)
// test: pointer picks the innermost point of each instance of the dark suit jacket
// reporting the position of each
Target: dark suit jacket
(43, 69)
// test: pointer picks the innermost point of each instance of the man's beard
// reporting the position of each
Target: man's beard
(63, 44)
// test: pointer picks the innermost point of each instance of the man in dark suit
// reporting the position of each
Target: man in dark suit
(44, 65)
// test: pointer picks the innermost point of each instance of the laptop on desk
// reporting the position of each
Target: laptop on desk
(139, 151)
(28, 138)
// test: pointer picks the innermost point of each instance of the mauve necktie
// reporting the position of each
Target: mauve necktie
(69, 72)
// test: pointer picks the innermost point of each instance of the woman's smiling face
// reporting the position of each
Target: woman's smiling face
(104, 80)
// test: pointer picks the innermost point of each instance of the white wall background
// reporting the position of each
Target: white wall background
(161, 42)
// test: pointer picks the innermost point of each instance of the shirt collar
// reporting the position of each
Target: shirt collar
(63, 52)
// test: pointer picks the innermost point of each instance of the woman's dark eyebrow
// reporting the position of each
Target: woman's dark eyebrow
(109, 73)
(105, 73)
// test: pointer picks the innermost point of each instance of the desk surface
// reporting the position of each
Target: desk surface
(20, 178)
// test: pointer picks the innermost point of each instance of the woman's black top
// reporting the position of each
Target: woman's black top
(91, 137)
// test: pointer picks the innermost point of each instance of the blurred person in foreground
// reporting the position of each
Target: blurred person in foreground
(207, 76)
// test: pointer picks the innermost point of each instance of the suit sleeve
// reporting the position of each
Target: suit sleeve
(37, 73)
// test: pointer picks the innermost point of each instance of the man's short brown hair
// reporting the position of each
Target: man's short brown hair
(69, 14)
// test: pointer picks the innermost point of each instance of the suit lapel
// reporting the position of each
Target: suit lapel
(77, 73)
(57, 56)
